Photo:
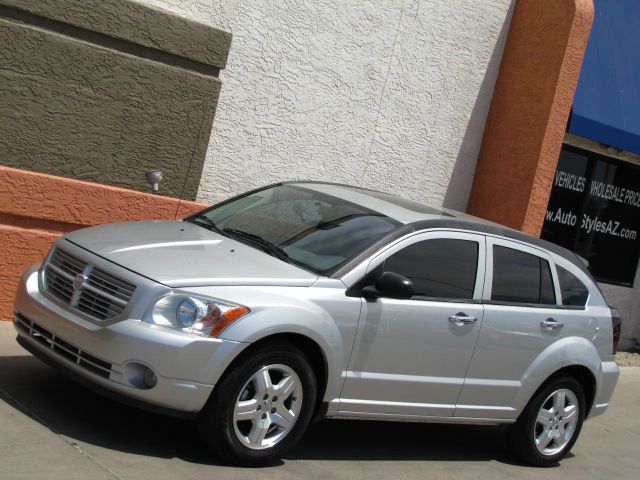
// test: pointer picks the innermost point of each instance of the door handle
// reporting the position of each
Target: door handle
(551, 324)
(462, 319)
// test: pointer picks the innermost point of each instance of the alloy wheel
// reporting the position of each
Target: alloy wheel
(267, 407)
(556, 422)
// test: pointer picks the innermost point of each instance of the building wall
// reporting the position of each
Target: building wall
(30, 224)
(529, 112)
(388, 94)
(106, 90)
(393, 95)
(626, 301)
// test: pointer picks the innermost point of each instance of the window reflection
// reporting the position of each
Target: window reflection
(520, 277)
(440, 268)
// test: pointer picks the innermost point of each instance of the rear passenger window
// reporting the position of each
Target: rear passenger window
(573, 291)
(520, 277)
(440, 268)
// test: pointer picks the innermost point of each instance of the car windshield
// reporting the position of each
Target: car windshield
(313, 230)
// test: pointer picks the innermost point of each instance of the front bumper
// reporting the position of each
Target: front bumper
(109, 357)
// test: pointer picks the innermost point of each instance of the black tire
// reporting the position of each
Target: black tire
(216, 421)
(521, 435)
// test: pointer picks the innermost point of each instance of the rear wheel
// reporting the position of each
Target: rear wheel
(262, 406)
(550, 424)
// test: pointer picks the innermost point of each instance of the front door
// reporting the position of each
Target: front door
(410, 356)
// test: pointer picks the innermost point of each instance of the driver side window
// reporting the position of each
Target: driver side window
(442, 268)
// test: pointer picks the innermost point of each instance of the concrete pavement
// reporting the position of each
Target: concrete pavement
(52, 428)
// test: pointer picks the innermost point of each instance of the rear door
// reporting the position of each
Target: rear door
(523, 316)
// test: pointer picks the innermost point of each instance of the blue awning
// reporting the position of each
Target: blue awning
(606, 106)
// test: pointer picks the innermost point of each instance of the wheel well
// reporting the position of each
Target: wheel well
(311, 350)
(584, 376)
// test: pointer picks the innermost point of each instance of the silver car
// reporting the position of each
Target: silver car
(305, 300)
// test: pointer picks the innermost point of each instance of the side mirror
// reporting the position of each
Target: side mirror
(391, 285)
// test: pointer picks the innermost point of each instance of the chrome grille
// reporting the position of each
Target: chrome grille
(62, 348)
(98, 306)
(97, 293)
(60, 272)
(112, 285)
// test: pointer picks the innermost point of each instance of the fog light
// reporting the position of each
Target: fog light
(150, 378)
(139, 375)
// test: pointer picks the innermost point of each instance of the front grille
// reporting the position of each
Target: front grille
(61, 270)
(110, 284)
(62, 348)
(97, 293)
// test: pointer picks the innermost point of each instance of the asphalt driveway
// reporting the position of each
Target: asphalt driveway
(52, 428)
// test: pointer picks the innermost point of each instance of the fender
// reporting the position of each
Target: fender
(582, 352)
(563, 353)
(299, 310)
(272, 322)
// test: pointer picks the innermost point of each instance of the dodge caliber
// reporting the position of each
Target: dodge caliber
(307, 300)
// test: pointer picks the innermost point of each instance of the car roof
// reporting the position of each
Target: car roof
(417, 216)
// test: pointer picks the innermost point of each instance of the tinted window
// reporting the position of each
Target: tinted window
(520, 277)
(317, 231)
(547, 293)
(573, 290)
(441, 268)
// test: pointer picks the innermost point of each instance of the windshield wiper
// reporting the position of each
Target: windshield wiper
(266, 245)
(206, 222)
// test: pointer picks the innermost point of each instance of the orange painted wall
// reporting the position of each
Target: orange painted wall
(529, 111)
(36, 209)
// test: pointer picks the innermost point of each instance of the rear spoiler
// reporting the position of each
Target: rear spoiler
(583, 260)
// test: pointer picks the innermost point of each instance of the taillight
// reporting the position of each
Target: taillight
(616, 323)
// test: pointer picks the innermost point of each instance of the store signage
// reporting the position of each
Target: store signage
(594, 210)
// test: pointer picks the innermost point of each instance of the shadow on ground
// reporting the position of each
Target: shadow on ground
(83, 416)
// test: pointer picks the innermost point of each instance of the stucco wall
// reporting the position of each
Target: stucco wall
(30, 224)
(385, 94)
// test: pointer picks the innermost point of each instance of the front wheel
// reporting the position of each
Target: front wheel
(262, 406)
(550, 424)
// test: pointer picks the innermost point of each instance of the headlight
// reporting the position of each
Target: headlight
(189, 311)
(195, 314)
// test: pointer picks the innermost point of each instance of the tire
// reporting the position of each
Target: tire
(248, 421)
(550, 423)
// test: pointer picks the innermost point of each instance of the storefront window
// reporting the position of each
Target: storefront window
(594, 210)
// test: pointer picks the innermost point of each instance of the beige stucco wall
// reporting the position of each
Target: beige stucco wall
(385, 94)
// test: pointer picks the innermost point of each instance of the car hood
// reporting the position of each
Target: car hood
(181, 254)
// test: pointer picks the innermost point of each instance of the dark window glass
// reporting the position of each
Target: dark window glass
(547, 293)
(520, 277)
(317, 231)
(573, 290)
(440, 268)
